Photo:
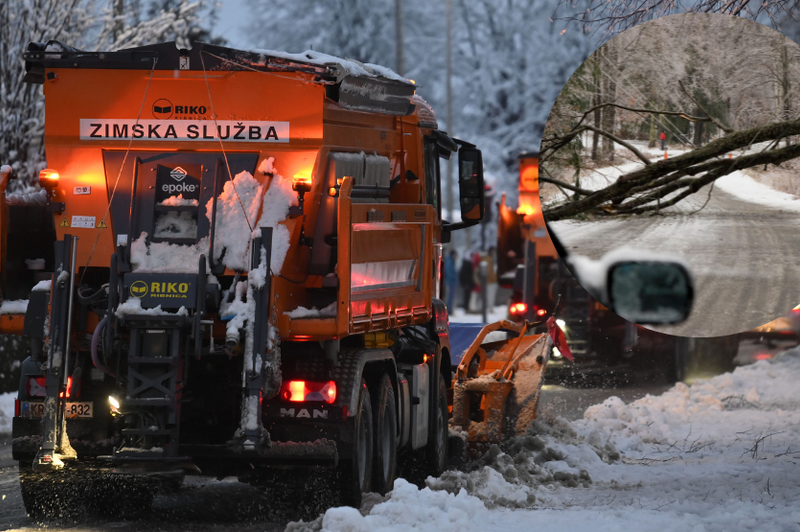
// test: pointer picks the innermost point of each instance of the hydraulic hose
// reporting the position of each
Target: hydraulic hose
(95, 341)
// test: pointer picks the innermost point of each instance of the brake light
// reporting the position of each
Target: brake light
(16, 407)
(519, 308)
(301, 391)
(541, 312)
(69, 388)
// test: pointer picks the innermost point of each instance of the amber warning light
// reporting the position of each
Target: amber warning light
(48, 179)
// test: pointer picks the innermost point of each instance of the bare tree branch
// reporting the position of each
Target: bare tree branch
(649, 111)
(620, 197)
(716, 122)
(560, 141)
(559, 183)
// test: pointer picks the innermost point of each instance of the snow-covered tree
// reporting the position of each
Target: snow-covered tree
(83, 24)
(606, 18)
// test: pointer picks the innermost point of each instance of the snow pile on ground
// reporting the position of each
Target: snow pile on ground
(499, 312)
(745, 187)
(719, 455)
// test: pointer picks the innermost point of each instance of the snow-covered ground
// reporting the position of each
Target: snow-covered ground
(745, 187)
(497, 313)
(720, 455)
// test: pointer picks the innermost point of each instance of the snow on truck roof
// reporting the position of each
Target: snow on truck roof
(352, 84)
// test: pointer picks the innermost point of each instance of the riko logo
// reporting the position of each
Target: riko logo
(162, 109)
(139, 289)
(178, 174)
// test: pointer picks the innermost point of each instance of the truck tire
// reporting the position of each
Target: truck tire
(384, 468)
(356, 473)
(436, 450)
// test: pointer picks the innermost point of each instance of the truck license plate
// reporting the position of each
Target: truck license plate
(72, 410)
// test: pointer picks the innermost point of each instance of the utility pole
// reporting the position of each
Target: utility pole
(398, 24)
(449, 76)
(119, 11)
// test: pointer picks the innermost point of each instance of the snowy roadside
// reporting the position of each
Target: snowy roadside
(500, 312)
(719, 455)
(738, 183)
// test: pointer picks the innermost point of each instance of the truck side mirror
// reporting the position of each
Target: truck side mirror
(650, 292)
(470, 183)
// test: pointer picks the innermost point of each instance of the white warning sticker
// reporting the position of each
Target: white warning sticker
(85, 222)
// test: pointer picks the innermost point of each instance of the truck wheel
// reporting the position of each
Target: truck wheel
(436, 449)
(356, 473)
(384, 469)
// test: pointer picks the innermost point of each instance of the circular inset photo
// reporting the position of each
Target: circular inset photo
(670, 174)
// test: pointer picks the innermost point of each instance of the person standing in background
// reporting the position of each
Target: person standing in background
(663, 138)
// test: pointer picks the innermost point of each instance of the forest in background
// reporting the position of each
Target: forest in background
(711, 83)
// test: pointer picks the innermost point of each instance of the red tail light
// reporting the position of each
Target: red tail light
(37, 387)
(541, 312)
(301, 391)
(69, 388)
(519, 308)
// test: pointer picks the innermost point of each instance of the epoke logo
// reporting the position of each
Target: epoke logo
(178, 174)
(162, 109)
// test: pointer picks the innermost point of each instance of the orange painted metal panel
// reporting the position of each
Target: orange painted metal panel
(103, 105)
(12, 323)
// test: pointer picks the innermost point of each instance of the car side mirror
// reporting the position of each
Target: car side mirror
(470, 184)
(650, 292)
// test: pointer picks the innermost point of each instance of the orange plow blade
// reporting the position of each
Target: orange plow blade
(497, 385)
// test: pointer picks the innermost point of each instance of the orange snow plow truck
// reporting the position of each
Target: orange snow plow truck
(245, 276)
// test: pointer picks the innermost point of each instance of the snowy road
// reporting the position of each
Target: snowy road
(721, 455)
(744, 256)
